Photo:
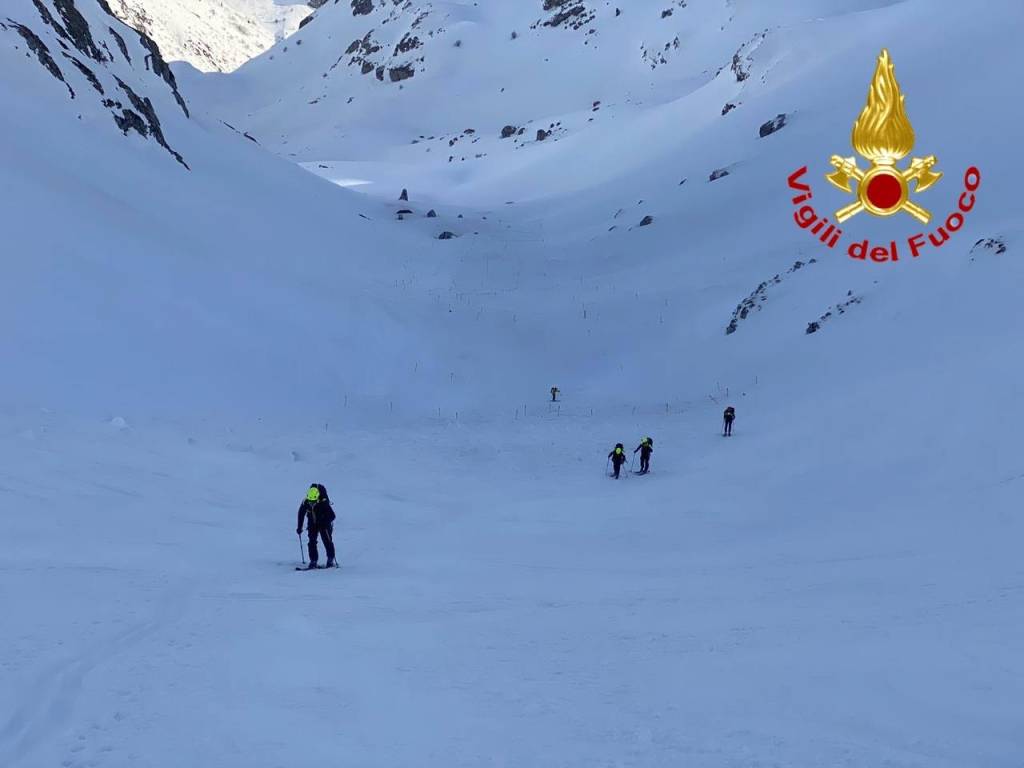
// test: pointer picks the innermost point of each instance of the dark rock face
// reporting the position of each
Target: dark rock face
(38, 47)
(728, 108)
(767, 129)
(306, 20)
(407, 43)
(572, 14)
(88, 73)
(404, 196)
(646, 221)
(431, 214)
(508, 131)
(404, 72)
(76, 28)
(716, 175)
(151, 127)
(446, 235)
(120, 44)
(155, 61)
(362, 7)
(542, 134)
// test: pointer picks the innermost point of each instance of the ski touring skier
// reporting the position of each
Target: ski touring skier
(618, 458)
(318, 515)
(554, 394)
(730, 417)
(646, 448)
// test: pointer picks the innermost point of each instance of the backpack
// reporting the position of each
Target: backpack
(323, 493)
(730, 412)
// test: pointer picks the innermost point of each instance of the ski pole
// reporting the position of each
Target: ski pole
(302, 554)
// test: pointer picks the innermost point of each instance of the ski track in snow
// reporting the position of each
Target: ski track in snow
(47, 704)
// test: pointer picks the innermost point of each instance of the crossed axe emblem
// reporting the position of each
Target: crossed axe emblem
(920, 170)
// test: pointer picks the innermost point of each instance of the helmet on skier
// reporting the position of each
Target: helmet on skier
(619, 448)
(648, 441)
(313, 494)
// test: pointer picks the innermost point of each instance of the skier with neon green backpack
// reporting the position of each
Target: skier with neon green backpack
(318, 515)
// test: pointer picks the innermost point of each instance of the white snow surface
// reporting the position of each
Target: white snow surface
(185, 350)
(212, 35)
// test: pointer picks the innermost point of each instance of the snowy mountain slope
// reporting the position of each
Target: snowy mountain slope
(631, 142)
(178, 291)
(838, 583)
(212, 35)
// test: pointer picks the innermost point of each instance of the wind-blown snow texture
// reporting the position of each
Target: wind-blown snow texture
(187, 348)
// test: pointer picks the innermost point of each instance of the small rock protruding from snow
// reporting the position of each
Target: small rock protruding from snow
(404, 196)
(717, 174)
(770, 127)
(446, 235)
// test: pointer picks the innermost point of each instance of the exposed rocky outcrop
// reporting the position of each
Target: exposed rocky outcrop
(144, 107)
(86, 54)
(770, 127)
(835, 311)
(155, 62)
(38, 47)
(755, 301)
(992, 245)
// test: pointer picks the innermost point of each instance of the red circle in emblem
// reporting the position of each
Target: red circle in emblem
(885, 191)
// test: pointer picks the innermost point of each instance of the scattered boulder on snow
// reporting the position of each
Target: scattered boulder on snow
(404, 196)
(767, 129)
(431, 214)
(646, 221)
(509, 131)
(542, 134)
(729, 107)
(717, 174)
(446, 235)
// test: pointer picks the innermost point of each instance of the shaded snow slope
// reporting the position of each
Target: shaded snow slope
(212, 35)
(136, 286)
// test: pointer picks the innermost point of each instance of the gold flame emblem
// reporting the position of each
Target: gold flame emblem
(883, 135)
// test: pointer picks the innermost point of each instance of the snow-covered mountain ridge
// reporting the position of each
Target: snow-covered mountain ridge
(212, 35)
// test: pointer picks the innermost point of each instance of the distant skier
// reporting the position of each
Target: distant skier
(554, 394)
(646, 448)
(730, 417)
(316, 511)
(618, 458)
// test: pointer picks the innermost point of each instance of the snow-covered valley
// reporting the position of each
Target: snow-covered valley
(203, 319)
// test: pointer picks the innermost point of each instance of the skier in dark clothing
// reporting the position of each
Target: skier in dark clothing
(316, 511)
(646, 448)
(618, 458)
(730, 417)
